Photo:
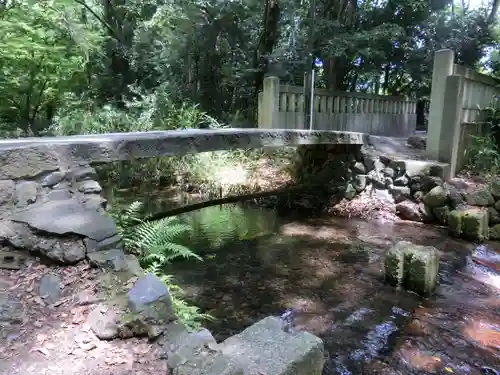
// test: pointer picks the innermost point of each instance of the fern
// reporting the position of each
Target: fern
(155, 244)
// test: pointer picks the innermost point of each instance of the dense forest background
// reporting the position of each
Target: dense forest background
(86, 66)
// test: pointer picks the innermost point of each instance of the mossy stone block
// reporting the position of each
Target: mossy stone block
(412, 266)
(475, 225)
(394, 263)
(455, 222)
(421, 269)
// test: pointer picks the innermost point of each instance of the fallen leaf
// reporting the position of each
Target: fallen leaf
(44, 351)
(448, 369)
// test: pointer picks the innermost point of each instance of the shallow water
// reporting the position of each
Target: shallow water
(329, 271)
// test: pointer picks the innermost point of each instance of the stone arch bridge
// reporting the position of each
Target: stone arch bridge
(50, 202)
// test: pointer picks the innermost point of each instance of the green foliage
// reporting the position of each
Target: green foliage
(156, 246)
(484, 155)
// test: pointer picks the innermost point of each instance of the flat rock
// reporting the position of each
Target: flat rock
(104, 322)
(266, 346)
(64, 217)
(50, 288)
(116, 260)
(11, 310)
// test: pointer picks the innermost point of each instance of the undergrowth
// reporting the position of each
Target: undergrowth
(155, 244)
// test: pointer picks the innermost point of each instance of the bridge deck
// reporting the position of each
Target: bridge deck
(123, 146)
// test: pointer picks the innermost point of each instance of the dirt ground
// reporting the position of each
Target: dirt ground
(42, 338)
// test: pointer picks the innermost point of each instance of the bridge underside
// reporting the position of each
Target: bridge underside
(51, 203)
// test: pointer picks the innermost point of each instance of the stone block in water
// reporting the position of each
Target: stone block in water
(471, 224)
(268, 347)
(413, 267)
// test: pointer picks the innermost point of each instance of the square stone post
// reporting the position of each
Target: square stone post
(269, 105)
(442, 68)
(451, 123)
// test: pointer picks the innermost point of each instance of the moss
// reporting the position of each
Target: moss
(394, 263)
(475, 225)
(455, 218)
(441, 214)
(495, 232)
(421, 270)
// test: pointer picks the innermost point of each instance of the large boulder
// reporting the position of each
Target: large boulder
(412, 266)
(479, 197)
(408, 210)
(436, 197)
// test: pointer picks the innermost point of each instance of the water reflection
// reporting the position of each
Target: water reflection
(329, 272)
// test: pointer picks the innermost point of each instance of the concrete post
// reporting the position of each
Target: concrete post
(442, 68)
(260, 109)
(451, 123)
(270, 103)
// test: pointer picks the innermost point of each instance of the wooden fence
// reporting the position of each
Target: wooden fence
(282, 107)
(458, 96)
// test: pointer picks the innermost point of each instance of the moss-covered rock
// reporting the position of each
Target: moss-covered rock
(480, 197)
(412, 266)
(455, 223)
(421, 269)
(436, 197)
(495, 232)
(475, 224)
(495, 189)
(493, 216)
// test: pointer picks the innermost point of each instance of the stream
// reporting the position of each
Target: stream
(329, 272)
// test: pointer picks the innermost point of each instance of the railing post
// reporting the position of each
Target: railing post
(449, 138)
(268, 117)
(442, 68)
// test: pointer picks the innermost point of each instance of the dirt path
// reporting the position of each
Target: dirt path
(47, 334)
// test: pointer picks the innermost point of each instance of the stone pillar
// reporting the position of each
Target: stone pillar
(442, 68)
(269, 106)
(451, 123)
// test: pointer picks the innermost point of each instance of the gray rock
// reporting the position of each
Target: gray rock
(436, 197)
(7, 196)
(408, 210)
(430, 182)
(50, 288)
(400, 193)
(266, 346)
(417, 168)
(388, 182)
(82, 173)
(497, 206)
(149, 299)
(359, 168)
(93, 202)
(495, 188)
(402, 181)
(417, 141)
(53, 179)
(68, 249)
(113, 242)
(360, 182)
(26, 193)
(65, 217)
(479, 197)
(455, 198)
(377, 179)
(89, 187)
(369, 162)
(350, 192)
(385, 159)
(493, 216)
(11, 310)
(28, 162)
(116, 260)
(104, 322)
(59, 195)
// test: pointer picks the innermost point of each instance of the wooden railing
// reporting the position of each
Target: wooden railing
(282, 106)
